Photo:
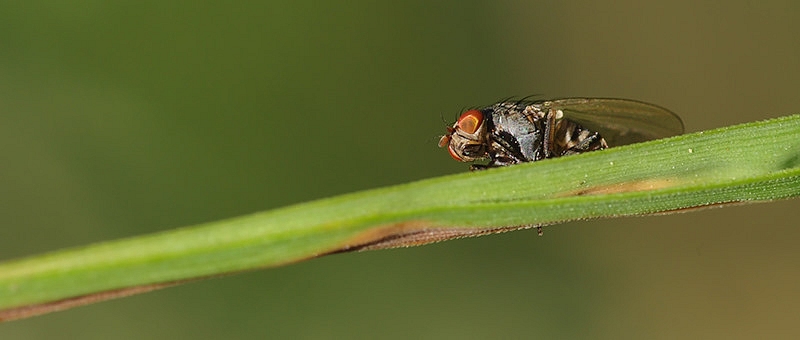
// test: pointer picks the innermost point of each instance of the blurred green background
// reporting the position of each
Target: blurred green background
(121, 118)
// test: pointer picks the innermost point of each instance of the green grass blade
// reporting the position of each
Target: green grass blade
(747, 163)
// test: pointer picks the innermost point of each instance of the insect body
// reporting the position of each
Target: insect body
(525, 131)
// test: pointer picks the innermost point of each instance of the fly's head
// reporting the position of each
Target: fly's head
(467, 140)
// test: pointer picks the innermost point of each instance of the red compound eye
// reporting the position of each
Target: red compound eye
(454, 154)
(470, 121)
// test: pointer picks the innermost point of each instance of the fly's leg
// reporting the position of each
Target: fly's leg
(494, 163)
(549, 127)
(479, 167)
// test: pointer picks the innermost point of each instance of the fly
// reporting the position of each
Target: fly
(509, 133)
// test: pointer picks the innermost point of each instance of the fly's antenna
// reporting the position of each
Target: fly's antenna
(441, 116)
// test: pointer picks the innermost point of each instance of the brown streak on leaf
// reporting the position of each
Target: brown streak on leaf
(701, 207)
(27, 311)
(55, 306)
(644, 185)
(415, 233)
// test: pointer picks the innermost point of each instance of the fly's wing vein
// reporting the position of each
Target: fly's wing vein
(619, 121)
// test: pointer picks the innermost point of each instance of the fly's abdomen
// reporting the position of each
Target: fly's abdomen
(570, 138)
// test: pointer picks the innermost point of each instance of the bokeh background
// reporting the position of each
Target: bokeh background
(120, 118)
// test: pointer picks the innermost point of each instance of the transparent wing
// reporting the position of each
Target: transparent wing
(619, 121)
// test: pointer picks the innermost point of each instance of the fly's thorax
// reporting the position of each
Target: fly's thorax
(518, 133)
